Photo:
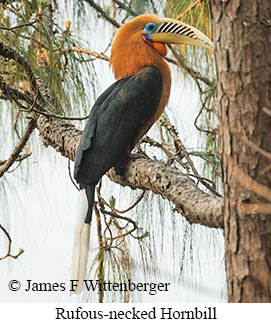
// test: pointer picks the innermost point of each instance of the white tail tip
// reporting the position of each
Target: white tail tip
(80, 243)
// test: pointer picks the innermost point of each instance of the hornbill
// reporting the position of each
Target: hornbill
(125, 111)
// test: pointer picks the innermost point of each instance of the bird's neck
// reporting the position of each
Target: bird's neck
(128, 58)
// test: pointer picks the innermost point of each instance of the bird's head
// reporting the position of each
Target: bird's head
(135, 39)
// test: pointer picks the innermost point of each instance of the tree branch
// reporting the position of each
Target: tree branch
(9, 53)
(174, 134)
(194, 74)
(85, 51)
(15, 95)
(103, 13)
(191, 6)
(19, 26)
(62, 136)
(15, 154)
(196, 205)
(8, 254)
(127, 9)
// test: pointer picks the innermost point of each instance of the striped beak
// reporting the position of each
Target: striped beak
(171, 31)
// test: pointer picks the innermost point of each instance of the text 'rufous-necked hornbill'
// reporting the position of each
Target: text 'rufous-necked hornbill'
(125, 111)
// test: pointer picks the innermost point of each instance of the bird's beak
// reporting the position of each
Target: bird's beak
(171, 31)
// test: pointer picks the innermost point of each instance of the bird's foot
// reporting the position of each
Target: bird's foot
(121, 168)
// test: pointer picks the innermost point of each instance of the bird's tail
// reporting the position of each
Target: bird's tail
(82, 235)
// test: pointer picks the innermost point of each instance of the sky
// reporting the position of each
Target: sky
(39, 212)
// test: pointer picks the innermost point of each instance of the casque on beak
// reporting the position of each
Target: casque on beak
(171, 31)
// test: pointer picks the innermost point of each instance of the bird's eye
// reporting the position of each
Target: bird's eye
(150, 27)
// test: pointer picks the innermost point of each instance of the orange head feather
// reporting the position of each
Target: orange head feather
(130, 53)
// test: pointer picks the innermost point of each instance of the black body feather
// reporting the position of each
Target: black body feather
(114, 123)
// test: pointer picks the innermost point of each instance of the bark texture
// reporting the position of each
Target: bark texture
(196, 205)
(242, 33)
(62, 136)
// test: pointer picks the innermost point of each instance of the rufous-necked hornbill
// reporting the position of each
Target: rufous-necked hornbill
(125, 111)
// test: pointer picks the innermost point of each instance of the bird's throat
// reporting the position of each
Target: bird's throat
(159, 47)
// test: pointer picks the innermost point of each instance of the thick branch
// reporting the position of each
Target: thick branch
(60, 135)
(196, 205)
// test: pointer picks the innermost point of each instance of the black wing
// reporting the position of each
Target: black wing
(114, 122)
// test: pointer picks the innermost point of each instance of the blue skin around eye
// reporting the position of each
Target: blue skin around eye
(146, 28)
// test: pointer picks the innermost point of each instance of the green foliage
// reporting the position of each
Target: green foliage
(47, 48)
(193, 12)
(112, 201)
